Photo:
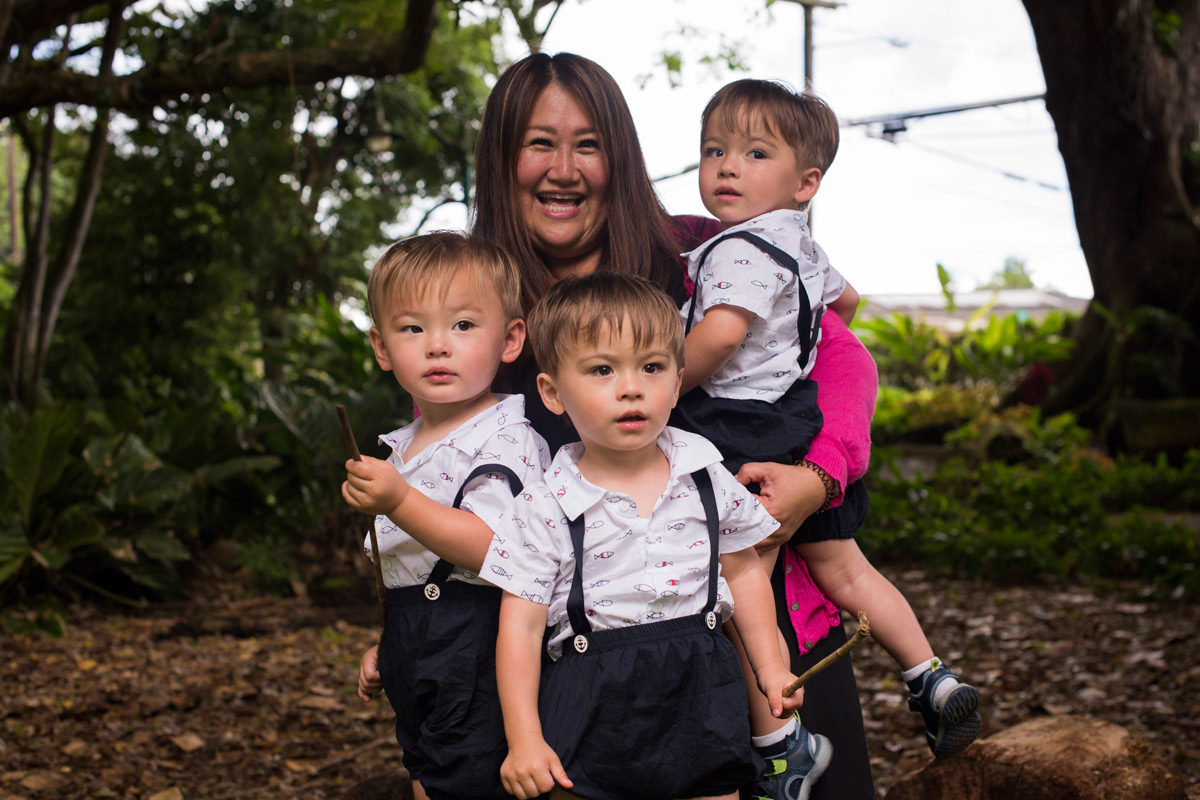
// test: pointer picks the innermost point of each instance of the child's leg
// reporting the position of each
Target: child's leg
(844, 574)
(947, 705)
(791, 752)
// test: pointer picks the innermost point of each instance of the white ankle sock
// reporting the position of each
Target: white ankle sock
(944, 688)
(774, 737)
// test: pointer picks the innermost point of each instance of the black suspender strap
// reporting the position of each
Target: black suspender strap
(709, 501)
(442, 569)
(806, 324)
(575, 612)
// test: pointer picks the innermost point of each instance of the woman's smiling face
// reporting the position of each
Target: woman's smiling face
(562, 183)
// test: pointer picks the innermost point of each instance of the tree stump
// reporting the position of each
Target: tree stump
(1052, 758)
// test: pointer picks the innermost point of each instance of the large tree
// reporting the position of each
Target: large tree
(1123, 88)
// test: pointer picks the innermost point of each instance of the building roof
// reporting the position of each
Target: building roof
(931, 308)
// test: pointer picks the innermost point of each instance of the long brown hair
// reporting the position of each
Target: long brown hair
(638, 240)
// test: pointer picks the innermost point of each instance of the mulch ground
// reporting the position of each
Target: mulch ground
(255, 698)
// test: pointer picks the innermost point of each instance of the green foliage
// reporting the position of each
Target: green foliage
(1167, 30)
(112, 495)
(1013, 275)
(1011, 494)
(1045, 505)
(991, 349)
(944, 281)
(927, 414)
(88, 500)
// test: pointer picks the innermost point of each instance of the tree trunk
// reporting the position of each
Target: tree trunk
(1123, 88)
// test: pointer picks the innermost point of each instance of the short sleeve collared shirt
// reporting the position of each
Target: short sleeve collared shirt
(497, 435)
(739, 274)
(636, 569)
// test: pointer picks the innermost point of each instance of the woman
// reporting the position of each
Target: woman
(561, 182)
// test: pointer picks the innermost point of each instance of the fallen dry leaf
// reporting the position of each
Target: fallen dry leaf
(187, 742)
(322, 703)
(75, 747)
(40, 781)
(167, 794)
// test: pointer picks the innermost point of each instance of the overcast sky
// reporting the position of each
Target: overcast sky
(967, 190)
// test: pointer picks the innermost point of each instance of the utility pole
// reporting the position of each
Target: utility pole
(807, 83)
(808, 34)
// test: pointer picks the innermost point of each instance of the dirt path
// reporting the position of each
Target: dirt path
(255, 698)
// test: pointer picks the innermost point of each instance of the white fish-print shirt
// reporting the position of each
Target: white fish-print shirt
(499, 434)
(739, 274)
(636, 570)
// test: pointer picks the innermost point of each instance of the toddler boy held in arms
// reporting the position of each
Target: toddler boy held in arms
(761, 287)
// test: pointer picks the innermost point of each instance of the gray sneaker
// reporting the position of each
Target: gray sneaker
(792, 776)
(948, 729)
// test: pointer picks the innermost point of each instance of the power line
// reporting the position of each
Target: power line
(896, 122)
(981, 165)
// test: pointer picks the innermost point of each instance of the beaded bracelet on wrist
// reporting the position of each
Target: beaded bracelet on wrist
(832, 488)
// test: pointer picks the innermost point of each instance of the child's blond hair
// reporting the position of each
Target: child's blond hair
(801, 119)
(425, 263)
(582, 308)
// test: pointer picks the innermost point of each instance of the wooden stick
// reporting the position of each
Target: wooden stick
(380, 590)
(864, 630)
(348, 434)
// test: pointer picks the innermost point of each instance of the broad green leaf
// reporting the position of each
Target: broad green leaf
(161, 544)
(214, 474)
(41, 448)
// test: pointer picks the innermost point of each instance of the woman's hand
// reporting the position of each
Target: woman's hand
(789, 493)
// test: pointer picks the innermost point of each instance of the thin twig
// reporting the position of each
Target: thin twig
(377, 560)
(864, 630)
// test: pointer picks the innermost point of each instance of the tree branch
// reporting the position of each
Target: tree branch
(367, 54)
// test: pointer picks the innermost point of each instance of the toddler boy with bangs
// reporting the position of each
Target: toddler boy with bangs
(633, 550)
(446, 313)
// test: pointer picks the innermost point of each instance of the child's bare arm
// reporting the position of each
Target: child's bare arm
(846, 306)
(531, 767)
(712, 341)
(754, 618)
(375, 487)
